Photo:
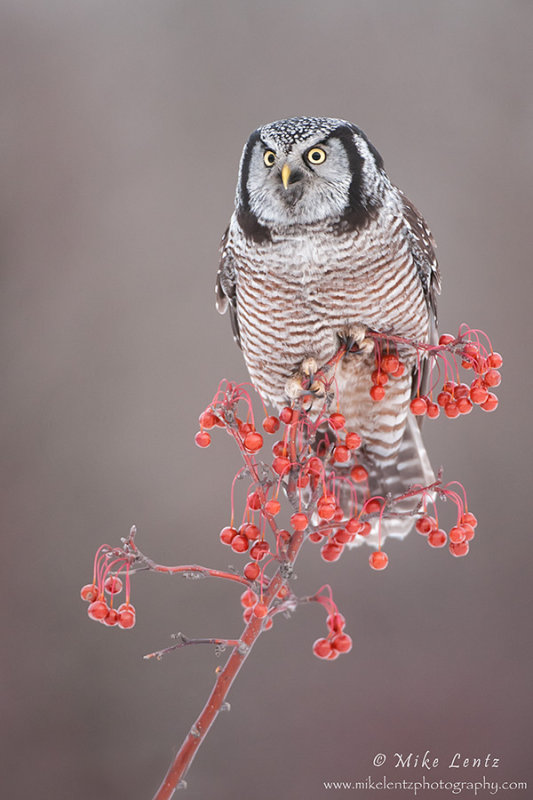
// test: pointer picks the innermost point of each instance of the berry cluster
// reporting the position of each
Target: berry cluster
(336, 642)
(459, 536)
(387, 366)
(108, 565)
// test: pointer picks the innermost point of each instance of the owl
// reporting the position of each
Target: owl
(322, 247)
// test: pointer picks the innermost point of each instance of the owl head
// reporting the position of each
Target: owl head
(306, 170)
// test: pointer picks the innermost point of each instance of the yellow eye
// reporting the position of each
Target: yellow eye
(269, 158)
(316, 155)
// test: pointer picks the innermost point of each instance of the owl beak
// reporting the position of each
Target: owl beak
(285, 175)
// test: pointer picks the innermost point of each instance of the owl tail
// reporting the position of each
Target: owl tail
(411, 466)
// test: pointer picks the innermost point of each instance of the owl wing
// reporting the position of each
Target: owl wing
(423, 252)
(226, 287)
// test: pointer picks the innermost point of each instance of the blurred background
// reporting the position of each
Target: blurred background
(122, 126)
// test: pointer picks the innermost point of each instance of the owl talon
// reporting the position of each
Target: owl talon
(355, 340)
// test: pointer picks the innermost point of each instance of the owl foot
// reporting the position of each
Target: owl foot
(355, 340)
(303, 381)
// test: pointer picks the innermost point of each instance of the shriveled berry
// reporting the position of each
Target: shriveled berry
(337, 421)
(437, 538)
(419, 406)
(89, 593)
(322, 648)
(299, 521)
(271, 424)
(202, 439)
(359, 473)
(342, 642)
(378, 560)
(251, 571)
(377, 393)
(253, 441)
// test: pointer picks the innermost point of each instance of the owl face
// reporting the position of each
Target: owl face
(306, 170)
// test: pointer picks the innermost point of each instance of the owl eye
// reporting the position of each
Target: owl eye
(316, 155)
(269, 158)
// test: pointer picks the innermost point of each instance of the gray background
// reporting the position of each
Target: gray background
(122, 125)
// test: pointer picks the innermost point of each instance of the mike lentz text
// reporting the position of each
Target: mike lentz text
(428, 761)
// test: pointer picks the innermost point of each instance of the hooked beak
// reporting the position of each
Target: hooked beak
(285, 175)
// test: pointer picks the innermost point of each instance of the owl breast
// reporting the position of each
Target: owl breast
(297, 291)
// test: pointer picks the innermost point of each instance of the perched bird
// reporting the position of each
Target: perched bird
(322, 248)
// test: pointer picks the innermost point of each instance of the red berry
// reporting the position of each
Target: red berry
(248, 598)
(326, 510)
(251, 571)
(286, 415)
(352, 525)
(239, 543)
(247, 614)
(315, 536)
(254, 501)
(462, 390)
(471, 350)
(342, 642)
(419, 406)
(272, 507)
(98, 610)
(390, 363)
(303, 480)
(245, 427)
(425, 525)
(399, 372)
(202, 439)
(279, 448)
(259, 550)
(433, 410)
(126, 616)
(443, 399)
(89, 593)
(260, 610)
(281, 465)
(451, 410)
(495, 360)
(208, 419)
(322, 648)
(459, 549)
(437, 538)
(446, 338)
(284, 535)
(331, 551)
(341, 453)
(253, 441)
(469, 519)
(333, 655)
(342, 536)
(352, 440)
(365, 529)
(267, 624)
(359, 474)
(111, 618)
(372, 506)
(449, 386)
(336, 622)
(469, 531)
(478, 395)
(492, 378)
(378, 560)
(227, 535)
(377, 393)
(337, 421)
(464, 405)
(250, 530)
(113, 584)
(457, 534)
(379, 378)
(271, 424)
(299, 521)
(490, 403)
